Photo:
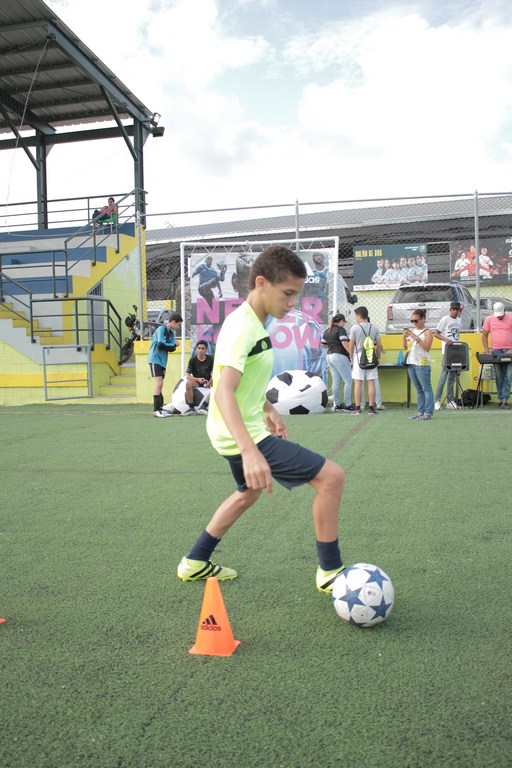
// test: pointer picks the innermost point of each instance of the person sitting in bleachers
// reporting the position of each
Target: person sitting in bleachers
(105, 215)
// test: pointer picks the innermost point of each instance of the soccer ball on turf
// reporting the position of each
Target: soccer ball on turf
(363, 595)
(297, 392)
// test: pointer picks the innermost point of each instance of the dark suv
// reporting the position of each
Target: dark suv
(435, 298)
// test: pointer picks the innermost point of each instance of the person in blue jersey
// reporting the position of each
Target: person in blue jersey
(245, 428)
(209, 278)
(163, 341)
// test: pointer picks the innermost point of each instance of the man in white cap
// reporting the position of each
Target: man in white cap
(499, 326)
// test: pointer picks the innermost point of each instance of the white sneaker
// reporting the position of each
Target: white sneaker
(381, 407)
(452, 405)
(190, 412)
(437, 405)
(161, 414)
(202, 411)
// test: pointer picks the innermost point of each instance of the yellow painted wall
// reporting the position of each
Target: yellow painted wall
(122, 285)
(393, 382)
(22, 380)
(143, 374)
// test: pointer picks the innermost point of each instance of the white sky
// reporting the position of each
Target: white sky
(269, 101)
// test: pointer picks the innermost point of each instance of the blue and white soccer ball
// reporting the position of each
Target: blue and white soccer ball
(363, 595)
(297, 392)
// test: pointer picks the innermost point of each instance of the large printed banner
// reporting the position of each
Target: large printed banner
(219, 282)
(389, 266)
(494, 262)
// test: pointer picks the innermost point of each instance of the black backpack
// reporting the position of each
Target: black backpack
(470, 397)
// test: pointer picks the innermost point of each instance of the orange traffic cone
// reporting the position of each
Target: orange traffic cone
(2, 621)
(214, 635)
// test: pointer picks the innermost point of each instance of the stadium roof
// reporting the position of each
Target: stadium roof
(49, 78)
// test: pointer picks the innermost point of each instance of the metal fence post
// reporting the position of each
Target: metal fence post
(477, 274)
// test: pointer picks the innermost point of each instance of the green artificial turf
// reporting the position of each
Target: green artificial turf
(100, 503)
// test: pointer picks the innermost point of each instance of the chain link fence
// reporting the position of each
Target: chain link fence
(383, 244)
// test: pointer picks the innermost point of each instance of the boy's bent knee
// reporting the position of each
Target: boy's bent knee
(249, 497)
(331, 475)
(336, 473)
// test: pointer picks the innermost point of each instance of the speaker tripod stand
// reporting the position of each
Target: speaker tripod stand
(457, 390)
(456, 360)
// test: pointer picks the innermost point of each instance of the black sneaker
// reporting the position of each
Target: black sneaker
(356, 411)
(347, 408)
(340, 407)
(372, 411)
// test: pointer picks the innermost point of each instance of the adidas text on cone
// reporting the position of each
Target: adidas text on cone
(214, 634)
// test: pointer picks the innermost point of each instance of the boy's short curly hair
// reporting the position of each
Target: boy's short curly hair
(275, 264)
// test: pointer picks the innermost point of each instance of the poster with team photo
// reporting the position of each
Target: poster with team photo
(385, 267)
(219, 283)
(494, 263)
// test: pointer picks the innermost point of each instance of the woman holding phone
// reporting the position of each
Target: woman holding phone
(418, 341)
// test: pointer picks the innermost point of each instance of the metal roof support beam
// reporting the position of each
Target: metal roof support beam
(38, 24)
(28, 117)
(42, 185)
(140, 137)
(24, 49)
(54, 33)
(119, 124)
(34, 87)
(46, 68)
(70, 68)
(19, 138)
(71, 137)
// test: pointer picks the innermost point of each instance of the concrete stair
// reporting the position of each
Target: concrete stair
(20, 320)
(120, 389)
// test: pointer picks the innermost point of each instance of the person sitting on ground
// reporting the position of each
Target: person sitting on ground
(107, 214)
(199, 374)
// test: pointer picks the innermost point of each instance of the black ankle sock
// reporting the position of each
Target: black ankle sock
(329, 555)
(203, 547)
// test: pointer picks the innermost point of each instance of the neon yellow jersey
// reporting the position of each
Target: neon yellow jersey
(243, 344)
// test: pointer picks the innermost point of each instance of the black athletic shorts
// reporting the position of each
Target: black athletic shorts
(157, 370)
(291, 464)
